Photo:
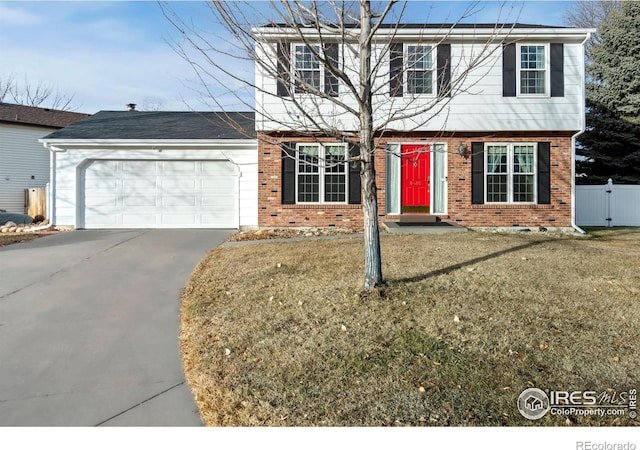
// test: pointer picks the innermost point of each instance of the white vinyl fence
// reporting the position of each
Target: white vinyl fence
(608, 205)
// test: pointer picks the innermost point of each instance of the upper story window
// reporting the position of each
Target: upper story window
(533, 69)
(510, 173)
(307, 68)
(419, 72)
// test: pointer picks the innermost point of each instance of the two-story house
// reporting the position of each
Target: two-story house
(475, 125)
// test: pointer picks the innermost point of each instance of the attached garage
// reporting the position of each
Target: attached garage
(192, 174)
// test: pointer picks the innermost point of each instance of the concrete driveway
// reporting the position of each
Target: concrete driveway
(89, 328)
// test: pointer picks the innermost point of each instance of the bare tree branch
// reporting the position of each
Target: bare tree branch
(38, 95)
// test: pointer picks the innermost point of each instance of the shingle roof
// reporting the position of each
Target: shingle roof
(154, 125)
(31, 115)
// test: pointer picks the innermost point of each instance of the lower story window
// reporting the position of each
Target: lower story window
(510, 173)
(321, 173)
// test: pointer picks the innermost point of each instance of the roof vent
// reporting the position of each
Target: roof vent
(131, 106)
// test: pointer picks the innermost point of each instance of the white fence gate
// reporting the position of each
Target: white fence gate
(608, 205)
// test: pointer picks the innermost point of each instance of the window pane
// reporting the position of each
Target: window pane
(308, 159)
(496, 188)
(305, 59)
(420, 82)
(334, 188)
(309, 77)
(497, 159)
(523, 188)
(308, 188)
(393, 179)
(532, 82)
(523, 159)
(335, 159)
(532, 57)
(438, 184)
(419, 57)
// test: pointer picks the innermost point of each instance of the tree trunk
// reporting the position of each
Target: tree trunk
(372, 257)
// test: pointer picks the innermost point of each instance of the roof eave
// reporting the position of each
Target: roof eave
(499, 32)
(146, 143)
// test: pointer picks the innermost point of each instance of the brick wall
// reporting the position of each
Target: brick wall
(272, 213)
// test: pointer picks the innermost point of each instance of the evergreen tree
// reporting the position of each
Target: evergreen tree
(611, 143)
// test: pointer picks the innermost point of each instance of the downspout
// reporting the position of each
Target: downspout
(573, 144)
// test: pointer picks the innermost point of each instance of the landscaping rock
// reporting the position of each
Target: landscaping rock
(278, 233)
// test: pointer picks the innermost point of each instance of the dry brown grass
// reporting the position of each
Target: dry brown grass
(276, 333)
(14, 238)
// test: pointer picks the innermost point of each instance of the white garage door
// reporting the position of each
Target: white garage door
(160, 194)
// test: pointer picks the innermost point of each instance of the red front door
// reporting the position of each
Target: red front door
(415, 178)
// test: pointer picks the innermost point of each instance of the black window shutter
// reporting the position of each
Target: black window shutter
(354, 176)
(288, 173)
(395, 69)
(284, 73)
(544, 173)
(477, 173)
(444, 70)
(331, 85)
(509, 70)
(557, 69)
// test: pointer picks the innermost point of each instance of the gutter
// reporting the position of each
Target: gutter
(573, 146)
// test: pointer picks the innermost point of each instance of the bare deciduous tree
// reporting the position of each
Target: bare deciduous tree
(358, 106)
(34, 94)
(591, 14)
(152, 104)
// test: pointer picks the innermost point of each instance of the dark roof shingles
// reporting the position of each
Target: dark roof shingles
(44, 117)
(154, 125)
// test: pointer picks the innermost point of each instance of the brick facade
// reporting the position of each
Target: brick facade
(460, 210)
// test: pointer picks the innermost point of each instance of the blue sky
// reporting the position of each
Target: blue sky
(111, 53)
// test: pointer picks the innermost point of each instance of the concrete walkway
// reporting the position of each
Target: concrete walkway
(89, 328)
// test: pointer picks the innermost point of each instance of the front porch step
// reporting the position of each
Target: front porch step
(438, 226)
(418, 218)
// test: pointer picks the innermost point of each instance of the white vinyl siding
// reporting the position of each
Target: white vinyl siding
(477, 104)
(24, 163)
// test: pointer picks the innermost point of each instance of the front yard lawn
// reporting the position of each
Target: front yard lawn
(277, 334)
(14, 238)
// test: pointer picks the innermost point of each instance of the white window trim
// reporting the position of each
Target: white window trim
(434, 69)
(510, 173)
(547, 69)
(431, 177)
(321, 172)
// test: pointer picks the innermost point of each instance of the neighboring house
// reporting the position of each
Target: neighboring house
(500, 153)
(24, 164)
(132, 169)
